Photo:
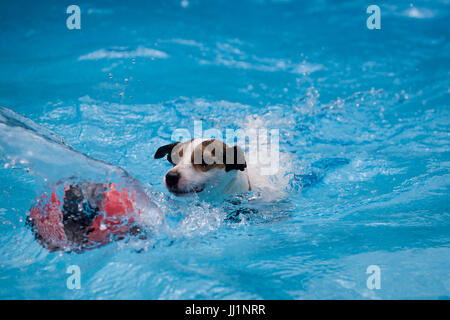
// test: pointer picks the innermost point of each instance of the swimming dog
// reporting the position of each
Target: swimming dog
(206, 166)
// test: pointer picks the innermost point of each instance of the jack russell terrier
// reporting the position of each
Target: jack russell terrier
(206, 166)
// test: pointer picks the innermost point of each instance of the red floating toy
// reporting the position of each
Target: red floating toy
(89, 215)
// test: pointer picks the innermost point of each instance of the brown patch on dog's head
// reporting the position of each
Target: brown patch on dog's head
(213, 153)
(207, 155)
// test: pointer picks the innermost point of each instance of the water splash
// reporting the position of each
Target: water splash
(53, 166)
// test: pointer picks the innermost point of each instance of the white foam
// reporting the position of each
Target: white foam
(187, 42)
(232, 57)
(271, 187)
(417, 13)
(120, 53)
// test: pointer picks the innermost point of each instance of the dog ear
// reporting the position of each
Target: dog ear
(234, 159)
(165, 150)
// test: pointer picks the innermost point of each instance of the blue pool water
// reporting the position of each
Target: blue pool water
(364, 137)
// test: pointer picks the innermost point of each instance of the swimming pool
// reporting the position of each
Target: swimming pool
(364, 127)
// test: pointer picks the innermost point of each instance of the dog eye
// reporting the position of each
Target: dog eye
(175, 155)
(208, 163)
(204, 164)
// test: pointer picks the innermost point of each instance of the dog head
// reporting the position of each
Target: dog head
(200, 164)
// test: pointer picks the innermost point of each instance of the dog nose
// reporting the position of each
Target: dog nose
(172, 178)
